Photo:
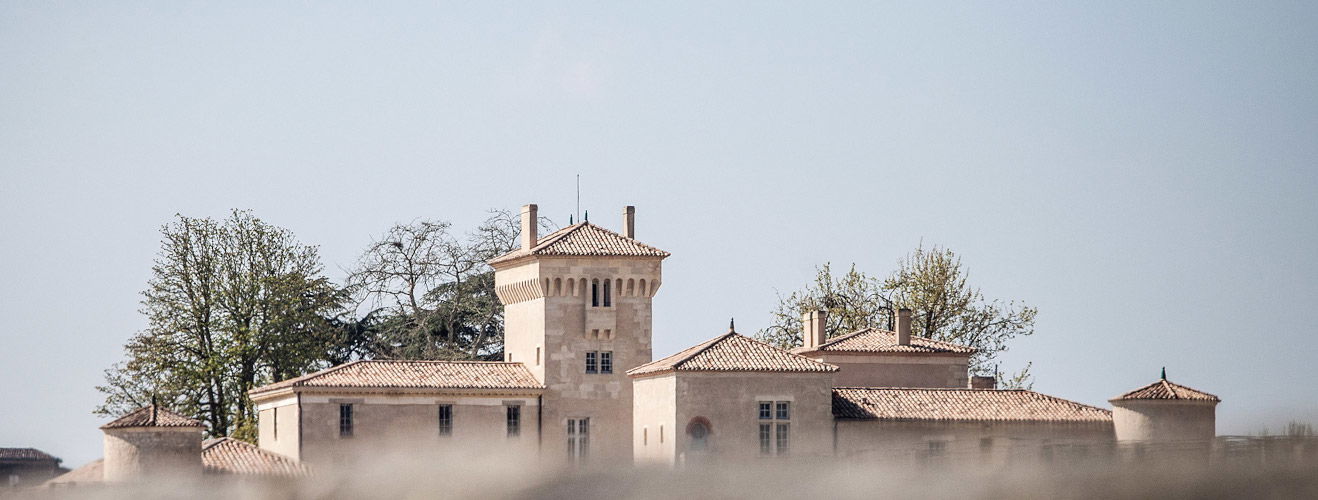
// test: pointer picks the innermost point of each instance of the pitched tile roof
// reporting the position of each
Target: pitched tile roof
(25, 454)
(1164, 389)
(93, 472)
(732, 352)
(152, 416)
(876, 340)
(585, 239)
(231, 456)
(959, 405)
(400, 374)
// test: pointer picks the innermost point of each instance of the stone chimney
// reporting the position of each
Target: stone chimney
(903, 326)
(629, 221)
(812, 328)
(530, 222)
(983, 382)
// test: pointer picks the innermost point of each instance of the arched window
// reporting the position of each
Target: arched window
(608, 299)
(698, 431)
(594, 293)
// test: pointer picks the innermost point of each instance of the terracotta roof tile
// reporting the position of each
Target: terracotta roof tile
(585, 239)
(231, 456)
(960, 405)
(731, 352)
(25, 454)
(93, 472)
(876, 340)
(398, 374)
(152, 416)
(1164, 389)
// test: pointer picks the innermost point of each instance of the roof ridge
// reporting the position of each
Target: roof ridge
(704, 347)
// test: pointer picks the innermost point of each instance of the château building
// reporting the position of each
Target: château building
(578, 382)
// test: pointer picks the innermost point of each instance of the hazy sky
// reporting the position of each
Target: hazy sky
(1145, 174)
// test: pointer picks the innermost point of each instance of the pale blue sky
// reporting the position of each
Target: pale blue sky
(1143, 173)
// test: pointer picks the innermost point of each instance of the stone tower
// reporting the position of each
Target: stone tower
(1163, 413)
(152, 443)
(577, 314)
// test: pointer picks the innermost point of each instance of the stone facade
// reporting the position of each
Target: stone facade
(143, 453)
(685, 417)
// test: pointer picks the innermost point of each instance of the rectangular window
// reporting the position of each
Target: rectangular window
(775, 427)
(445, 420)
(514, 420)
(592, 362)
(345, 420)
(782, 440)
(608, 298)
(578, 437)
(606, 361)
(594, 294)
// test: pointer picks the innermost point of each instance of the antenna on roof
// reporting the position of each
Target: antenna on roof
(1164, 373)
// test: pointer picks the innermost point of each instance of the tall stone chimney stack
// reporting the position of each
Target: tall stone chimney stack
(812, 329)
(530, 222)
(903, 326)
(629, 221)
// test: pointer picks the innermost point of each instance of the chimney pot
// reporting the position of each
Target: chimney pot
(903, 326)
(530, 222)
(629, 221)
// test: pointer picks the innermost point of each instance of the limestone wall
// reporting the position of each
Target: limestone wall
(550, 325)
(142, 453)
(655, 404)
(969, 442)
(727, 403)
(280, 437)
(1165, 420)
(389, 426)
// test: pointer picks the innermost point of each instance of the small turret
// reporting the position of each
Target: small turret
(152, 442)
(1165, 412)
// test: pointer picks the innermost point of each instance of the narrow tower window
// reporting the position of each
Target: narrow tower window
(595, 293)
(608, 298)
(345, 420)
(514, 420)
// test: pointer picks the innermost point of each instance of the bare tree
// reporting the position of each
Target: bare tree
(433, 292)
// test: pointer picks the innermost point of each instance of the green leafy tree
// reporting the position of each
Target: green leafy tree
(231, 305)
(933, 284)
